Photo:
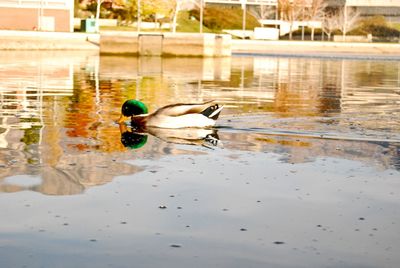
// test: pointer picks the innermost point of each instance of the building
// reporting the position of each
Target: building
(390, 9)
(41, 15)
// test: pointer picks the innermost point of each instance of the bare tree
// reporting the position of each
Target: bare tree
(347, 20)
(263, 12)
(316, 12)
(99, 2)
(291, 11)
(175, 12)
(330, 24)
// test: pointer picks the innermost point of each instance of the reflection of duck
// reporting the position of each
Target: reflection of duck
(130, 138)
(181, 115)
(192, 136)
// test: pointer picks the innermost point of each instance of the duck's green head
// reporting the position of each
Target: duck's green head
(131, 108)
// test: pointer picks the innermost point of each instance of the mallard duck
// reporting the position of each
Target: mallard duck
(180, 115)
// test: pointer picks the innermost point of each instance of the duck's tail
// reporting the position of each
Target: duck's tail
(213, 111)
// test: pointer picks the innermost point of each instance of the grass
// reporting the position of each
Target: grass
(395, 25)
(117, 28)
(220, 17)
(185, 24)
(188, 24)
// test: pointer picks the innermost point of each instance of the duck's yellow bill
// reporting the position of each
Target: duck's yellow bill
(122, 119)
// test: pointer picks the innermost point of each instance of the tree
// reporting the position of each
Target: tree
(263, 12)
(175, 12)
(291, 11)
(99, 2)
(315, 12)
(157, 8)
(347, 20)
(330, 24)
(130, 11)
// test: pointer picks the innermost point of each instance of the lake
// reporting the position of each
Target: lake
(303, 170)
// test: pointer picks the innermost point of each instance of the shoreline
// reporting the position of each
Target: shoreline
(328, 56)
(31, 40)
(316, 49)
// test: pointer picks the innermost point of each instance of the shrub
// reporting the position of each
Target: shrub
(373, 21)
(358, 31)
(377, 26)
(382, 31)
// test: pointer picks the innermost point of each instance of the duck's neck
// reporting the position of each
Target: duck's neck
(138, 121)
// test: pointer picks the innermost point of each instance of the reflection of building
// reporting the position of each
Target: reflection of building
(164, 80)
(23, 88)
(176, 68)
(49, 15)
(313, 86)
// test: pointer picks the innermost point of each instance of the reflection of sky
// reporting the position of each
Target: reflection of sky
(315, 209)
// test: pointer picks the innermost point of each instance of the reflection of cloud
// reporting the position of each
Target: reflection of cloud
(73, 174)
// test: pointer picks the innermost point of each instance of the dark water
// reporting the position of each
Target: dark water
(305, 173)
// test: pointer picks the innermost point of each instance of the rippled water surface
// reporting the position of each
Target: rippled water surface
(305, 172)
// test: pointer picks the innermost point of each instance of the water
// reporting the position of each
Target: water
(305, 172)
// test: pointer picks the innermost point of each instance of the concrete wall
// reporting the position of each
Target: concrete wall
(324, 49)
(266, 33)
(165, 44)
(119, 43)
(353, 38)
(35, 40)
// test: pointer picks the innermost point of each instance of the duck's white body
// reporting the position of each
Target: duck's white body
(200, 115)
(182, 121)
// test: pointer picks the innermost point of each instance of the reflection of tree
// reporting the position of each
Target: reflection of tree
(32, 134)
(371, 73)
(298, 94)
(78, 114)
(91, 119)
(331, 87)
